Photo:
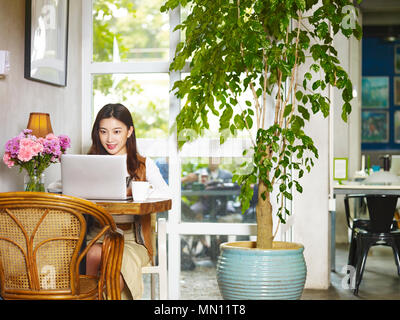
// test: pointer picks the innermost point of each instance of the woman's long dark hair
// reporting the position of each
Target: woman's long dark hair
(135, 162)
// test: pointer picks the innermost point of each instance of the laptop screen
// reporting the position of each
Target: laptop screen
(94, 176)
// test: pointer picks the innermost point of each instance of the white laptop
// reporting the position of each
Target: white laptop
(94, 177)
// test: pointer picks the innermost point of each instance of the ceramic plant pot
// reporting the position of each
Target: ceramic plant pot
(245, 272)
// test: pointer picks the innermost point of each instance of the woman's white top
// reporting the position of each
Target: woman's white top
(161, 188)
(154, 177)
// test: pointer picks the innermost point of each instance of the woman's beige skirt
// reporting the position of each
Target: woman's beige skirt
(135, 257)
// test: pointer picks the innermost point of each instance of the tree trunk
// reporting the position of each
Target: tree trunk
(264, 219)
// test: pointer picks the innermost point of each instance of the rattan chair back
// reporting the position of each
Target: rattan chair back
(42, 243)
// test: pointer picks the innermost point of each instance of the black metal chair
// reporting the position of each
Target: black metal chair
(380, 229)
(355, 223)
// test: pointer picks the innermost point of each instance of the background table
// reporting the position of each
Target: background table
(366, 189)
(210, 192)
(213, 194)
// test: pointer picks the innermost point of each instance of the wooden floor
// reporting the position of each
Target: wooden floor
(380, 280)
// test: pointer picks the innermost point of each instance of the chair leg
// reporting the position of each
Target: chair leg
(163, 283)
(153, 286)
(395, 247)
(397, 255)
(363, 246)
(351, 261)
(161, 268)
(162, 259)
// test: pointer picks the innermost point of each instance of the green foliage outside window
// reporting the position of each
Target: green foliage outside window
(141, 33)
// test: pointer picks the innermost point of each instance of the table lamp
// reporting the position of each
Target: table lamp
(40, 124)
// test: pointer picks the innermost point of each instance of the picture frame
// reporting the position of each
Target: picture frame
(375, 92)
(396, 91)
(375, 126)
(397, 59)
(396, 126)
(340, 169)
(46, 41)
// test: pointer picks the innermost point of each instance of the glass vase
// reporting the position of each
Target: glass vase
(34, 182)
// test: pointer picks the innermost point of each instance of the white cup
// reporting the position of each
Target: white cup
(141, 190)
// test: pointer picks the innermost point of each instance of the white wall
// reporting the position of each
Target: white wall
(19, 96)
(347, 137)
(312, 226)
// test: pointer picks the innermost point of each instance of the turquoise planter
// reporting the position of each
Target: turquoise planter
(245, 272)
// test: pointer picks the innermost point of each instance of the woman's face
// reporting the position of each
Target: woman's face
(113, 135)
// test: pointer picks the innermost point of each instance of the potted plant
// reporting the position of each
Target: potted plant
(272, 49)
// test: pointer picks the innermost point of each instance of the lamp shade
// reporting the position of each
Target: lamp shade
(40, 124)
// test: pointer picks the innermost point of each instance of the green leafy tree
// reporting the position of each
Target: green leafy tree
(258, 46)
(140, 34)
(147, 33)
(104, 32)
(151, 122)
(104, 28)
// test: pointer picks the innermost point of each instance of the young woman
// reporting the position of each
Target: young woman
(113, 133)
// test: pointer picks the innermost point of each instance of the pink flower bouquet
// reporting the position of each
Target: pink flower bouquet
(34, 154)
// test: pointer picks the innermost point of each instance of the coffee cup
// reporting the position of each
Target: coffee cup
(141, 190)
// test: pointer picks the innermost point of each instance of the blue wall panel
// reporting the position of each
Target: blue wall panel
(378, 60)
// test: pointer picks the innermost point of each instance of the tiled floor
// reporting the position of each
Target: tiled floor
(380, 280)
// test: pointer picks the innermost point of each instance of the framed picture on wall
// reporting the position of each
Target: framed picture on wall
(397, 59)
(375, 92)
(396, 91)
(397, 126)
(375, 126)
(46, 38)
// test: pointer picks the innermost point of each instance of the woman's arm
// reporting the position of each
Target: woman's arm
(153, 175)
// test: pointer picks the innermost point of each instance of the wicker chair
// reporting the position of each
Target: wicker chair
(42, 243)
